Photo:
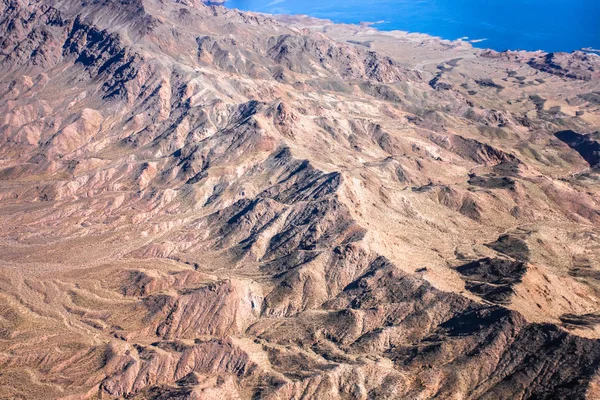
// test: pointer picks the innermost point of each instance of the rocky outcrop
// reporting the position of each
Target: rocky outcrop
(575, 65)
(586, 145)
(474, 150)
(169, 362)
(217, 309)
(301, 53)
(493, 279)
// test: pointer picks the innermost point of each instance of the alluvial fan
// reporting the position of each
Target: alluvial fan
(201, 203)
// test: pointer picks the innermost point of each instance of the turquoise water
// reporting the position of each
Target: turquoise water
(550, 25)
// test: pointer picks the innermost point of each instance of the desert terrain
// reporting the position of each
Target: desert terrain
(202, 203)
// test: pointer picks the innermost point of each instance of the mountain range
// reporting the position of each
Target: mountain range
(203, 203)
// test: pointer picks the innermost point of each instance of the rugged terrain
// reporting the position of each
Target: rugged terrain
(200, 203)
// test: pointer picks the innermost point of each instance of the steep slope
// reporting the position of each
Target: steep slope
(204, 203)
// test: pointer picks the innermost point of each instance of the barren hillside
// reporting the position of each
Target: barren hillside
(200, 203)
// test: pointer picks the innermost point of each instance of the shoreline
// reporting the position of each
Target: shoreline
(375, 25)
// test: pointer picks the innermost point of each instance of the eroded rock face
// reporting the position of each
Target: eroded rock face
(576, 65)
(493, 279)
(203, 203)
(587, 146)
(170, 362)
(206, 310)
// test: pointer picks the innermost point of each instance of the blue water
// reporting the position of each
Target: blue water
(550, 25)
